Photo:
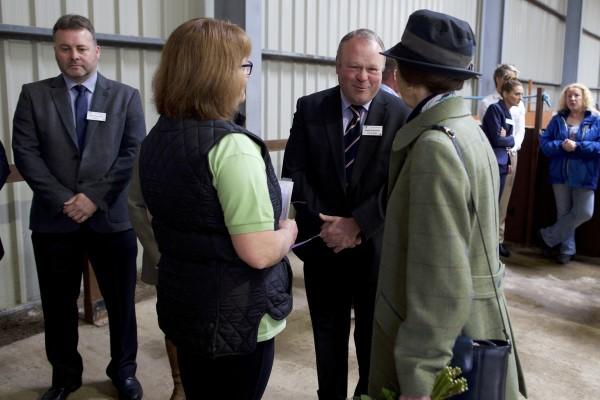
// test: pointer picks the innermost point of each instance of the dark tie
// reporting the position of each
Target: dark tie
(351, 140)
(81, 108)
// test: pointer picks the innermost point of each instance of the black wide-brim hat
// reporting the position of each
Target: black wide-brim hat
(437, 43)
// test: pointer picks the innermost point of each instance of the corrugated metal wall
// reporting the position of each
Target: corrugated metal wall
(315, 27)
(24, 61)
(533, 40)
(589, 50)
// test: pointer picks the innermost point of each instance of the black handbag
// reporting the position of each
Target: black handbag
(484, 363)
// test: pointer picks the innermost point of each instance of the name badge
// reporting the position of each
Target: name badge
(510, 121)
(372, 130)
(96, 116)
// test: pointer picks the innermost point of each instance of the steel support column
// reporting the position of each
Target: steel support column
(248, 15)
(573, 27)
(491, 38)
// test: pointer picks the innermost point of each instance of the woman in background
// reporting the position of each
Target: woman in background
(498, 125)
(224, 282)
(571, 142)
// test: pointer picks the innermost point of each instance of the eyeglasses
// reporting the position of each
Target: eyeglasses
(247, 68)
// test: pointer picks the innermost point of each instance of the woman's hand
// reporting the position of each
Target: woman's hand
(569, 145)
(502, 132)
(289, 226)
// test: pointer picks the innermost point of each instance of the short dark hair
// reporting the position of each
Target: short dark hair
(73, 22)
(436, 83)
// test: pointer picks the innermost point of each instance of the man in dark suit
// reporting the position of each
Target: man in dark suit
(337, 155)
(75, 138)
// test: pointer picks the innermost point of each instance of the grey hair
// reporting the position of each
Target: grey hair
(362, 33)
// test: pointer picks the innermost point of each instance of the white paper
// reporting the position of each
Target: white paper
(287, 186)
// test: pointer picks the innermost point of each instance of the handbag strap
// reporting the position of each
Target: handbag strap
(452, 136)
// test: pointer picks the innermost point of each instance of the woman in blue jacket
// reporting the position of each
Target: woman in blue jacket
(572, 144)
(498, 125)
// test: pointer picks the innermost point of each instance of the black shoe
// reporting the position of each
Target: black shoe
(129, 389)
(546, 250)
(564, 258)
(59, 392)
(504, 252)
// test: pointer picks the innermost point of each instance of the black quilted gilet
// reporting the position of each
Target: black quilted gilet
(208, 299)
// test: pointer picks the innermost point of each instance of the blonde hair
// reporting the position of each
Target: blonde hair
(588, 100)
(199, 73)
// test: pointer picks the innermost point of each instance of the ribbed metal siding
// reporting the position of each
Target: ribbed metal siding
(23, 61)
(589, 54)
(534, 41)
(315, 27)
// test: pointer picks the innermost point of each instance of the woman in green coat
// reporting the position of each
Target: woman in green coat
(434, 279)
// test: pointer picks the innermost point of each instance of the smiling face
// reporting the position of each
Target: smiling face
(76, 53)
(359, 70)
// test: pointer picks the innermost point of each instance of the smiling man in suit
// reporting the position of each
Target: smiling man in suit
(337, 155)
(75, 137)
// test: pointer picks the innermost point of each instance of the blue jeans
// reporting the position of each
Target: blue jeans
(574, 206)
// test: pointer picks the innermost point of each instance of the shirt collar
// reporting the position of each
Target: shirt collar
(346, 104)
(89, 83)
(388, 89)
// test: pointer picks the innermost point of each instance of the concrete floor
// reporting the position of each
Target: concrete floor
(555, 312)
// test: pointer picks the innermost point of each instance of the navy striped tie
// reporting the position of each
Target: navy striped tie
(352, 140)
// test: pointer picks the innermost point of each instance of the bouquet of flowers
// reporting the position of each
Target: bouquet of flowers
(447, 384)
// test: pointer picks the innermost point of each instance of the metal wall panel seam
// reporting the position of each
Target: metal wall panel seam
(17, 233)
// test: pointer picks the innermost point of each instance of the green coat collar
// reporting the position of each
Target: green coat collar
(455, 106)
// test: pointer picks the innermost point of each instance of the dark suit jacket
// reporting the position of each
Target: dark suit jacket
(46, 153)
(314, 160)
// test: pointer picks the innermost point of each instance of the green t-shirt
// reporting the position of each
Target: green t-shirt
(240, 178)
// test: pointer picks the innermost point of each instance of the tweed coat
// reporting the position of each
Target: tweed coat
(433, 279)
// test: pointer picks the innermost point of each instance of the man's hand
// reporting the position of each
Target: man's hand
(79, 208)
(502, 132)
(339, 233)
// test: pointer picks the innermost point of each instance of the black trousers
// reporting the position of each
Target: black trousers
(334, 285)
(239, 377)
(60, 258)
